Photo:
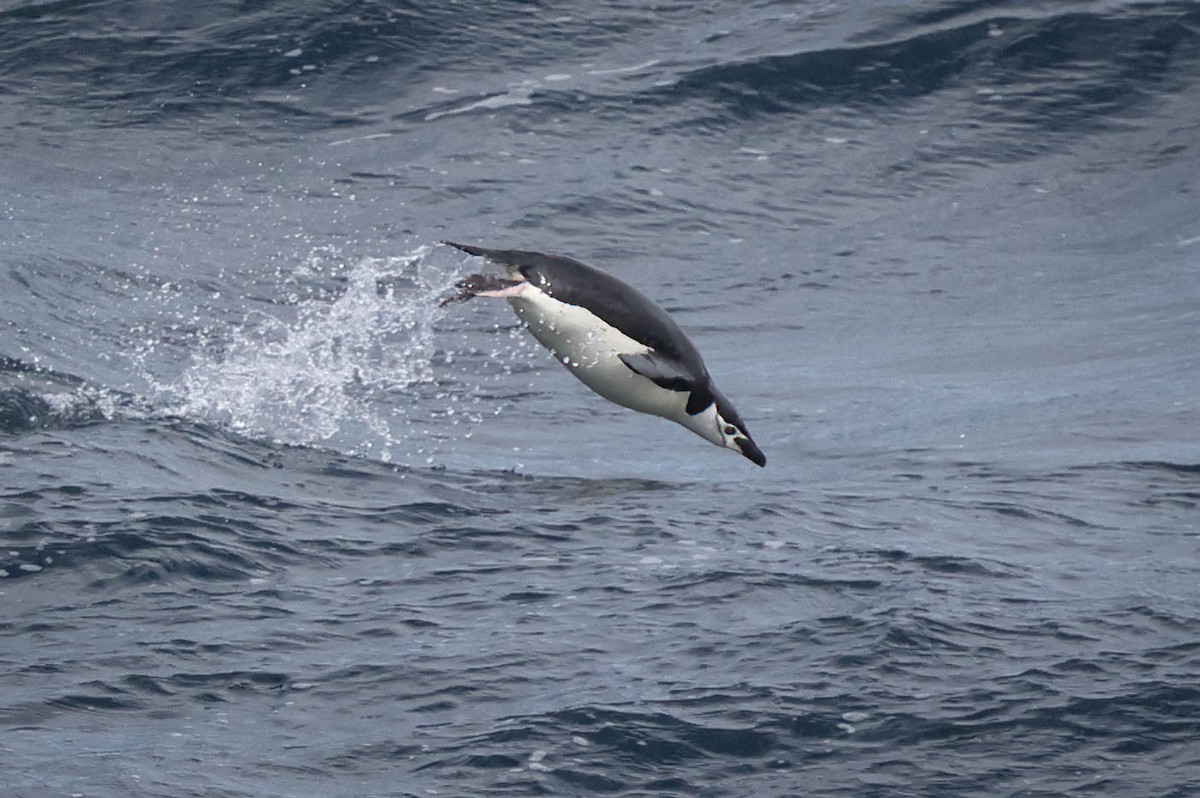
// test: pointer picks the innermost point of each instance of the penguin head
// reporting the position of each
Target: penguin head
(730, 431)
(734, 436)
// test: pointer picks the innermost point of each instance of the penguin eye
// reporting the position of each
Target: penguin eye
(730, 429)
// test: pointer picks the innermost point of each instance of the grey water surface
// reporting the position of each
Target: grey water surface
(273, 522)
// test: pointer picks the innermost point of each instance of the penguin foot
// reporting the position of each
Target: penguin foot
(474, 285)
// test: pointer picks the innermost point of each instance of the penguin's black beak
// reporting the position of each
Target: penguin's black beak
(751, 451)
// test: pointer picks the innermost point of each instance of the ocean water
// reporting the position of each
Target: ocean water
(273, 522)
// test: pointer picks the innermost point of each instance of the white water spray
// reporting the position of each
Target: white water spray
(335, 372)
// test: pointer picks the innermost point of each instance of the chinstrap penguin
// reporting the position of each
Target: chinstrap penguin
(613, 338)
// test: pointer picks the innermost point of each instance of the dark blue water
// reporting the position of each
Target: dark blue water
(275, 523)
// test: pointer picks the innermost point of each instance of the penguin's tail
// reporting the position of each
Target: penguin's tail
(471, 250)
(511, 258)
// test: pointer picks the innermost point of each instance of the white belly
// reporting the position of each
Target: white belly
(589, 347)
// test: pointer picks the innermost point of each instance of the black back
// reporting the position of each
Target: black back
(617, 303)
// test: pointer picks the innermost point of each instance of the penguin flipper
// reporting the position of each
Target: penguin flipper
(662, 371)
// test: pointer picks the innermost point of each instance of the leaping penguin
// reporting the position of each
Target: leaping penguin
(613, 338)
